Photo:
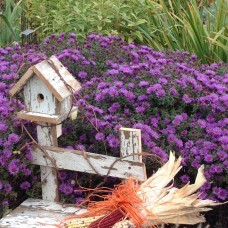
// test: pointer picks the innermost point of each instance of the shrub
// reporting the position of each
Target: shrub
(175, 25)
(10, 22)
(178, 104)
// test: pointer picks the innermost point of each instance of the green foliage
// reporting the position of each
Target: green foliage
(83, 17)
(10, 22)
(195, 26)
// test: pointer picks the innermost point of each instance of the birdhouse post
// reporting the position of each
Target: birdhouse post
(48, 89)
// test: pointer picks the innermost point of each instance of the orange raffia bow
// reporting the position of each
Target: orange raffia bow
(123, 197)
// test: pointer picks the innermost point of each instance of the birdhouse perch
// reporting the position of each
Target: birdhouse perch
(47, 88)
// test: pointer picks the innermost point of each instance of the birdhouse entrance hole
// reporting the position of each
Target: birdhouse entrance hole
(40, 97)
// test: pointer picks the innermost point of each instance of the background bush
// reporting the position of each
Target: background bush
(10, 22)
(199, 27)
(178, 104)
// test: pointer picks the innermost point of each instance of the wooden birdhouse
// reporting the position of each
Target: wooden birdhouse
(48, 87)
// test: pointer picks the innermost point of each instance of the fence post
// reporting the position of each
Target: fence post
(47, 136)
(130, 144)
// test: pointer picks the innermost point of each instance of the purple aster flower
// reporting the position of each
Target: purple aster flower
(80, 147)
(209, 72)
(112, 72)
(7, 153)
(206, 186)
(27, 172)
(2, 86)
(207, 175)
(189, 144)
(203, 195)
(100, 136)
(79, 200)
(177, 120)
(25, 185)
(62, 175)
(186, 99)
(222, 194)
(143, 83)
(195, 164)
(113, 142)
(126, 70)
(140, 109)
(82, 75)
(47, 40)
(8, 188)
(28, 155)
(162, 81)
(66, 188)
(216, 190)
(173, 91)
(210, 118)
(202, 123)
(13, 168)
(217, 168)
(185, 179)
(72, 35)
(160, 93)
(223, 139)
(217, 131)
(203, 151)
(1, 185)
(171, 138)
(142, 97)
(208, 158)
(5, 203)
(14, 138)
(222, 155)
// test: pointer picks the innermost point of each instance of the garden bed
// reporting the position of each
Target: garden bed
(178, 103)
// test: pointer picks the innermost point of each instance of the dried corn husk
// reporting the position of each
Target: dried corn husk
(161, 202)
(167, 204)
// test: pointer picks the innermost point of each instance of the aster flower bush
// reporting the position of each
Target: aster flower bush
(179, 105)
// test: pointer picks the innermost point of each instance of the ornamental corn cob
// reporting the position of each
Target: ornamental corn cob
(124, 224)
(81, 222)
(109, 220)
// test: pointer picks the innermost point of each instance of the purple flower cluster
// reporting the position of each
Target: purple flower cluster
(16, 175)
(177, 103)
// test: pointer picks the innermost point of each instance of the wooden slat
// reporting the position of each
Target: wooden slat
(130, 144)
(79, 161)
(40, 117)
(35, 213)
(23, 80)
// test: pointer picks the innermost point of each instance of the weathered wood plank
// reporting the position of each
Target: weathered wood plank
(35, 213)
(130, 144)
(71, 81)
(80, 161)
(41, 117)
(49, 76)
(47, 136)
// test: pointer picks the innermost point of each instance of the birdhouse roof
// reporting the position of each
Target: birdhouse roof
(56, 77)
